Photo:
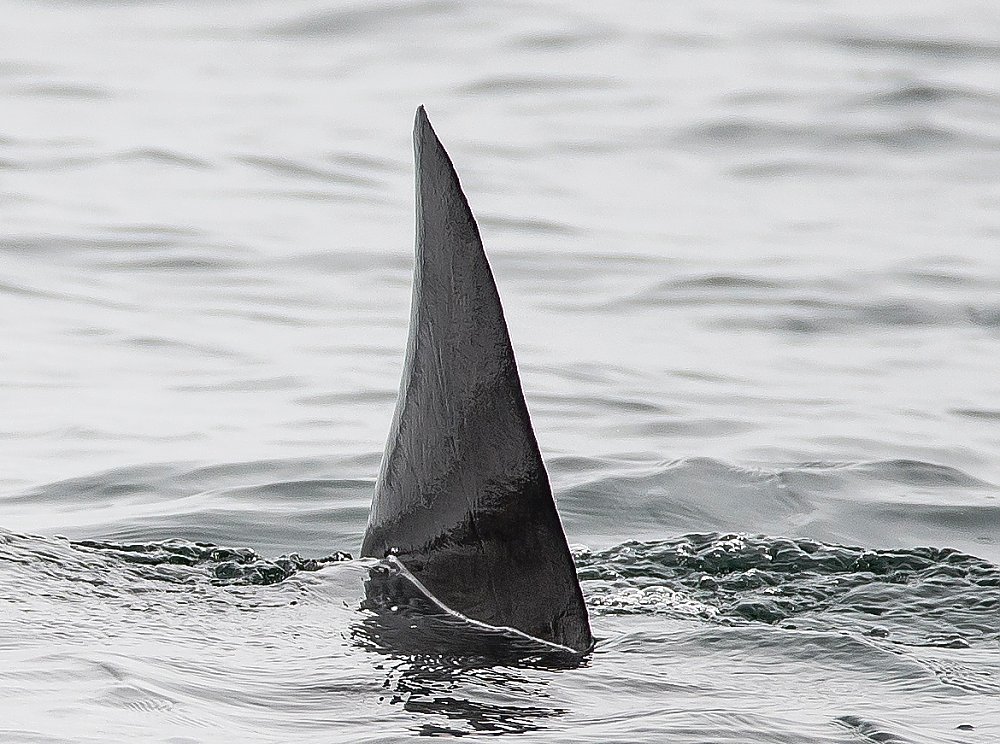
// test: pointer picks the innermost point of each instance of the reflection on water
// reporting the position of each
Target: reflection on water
(466, 681)
(437, 691)
(436, 657)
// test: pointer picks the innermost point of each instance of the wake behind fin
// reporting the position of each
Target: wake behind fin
(462, 498)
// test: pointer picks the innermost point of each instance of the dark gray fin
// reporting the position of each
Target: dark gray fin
(462, 497)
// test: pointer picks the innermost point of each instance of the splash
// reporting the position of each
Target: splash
(920, 596)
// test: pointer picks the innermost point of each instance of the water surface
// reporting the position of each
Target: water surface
(749, 263)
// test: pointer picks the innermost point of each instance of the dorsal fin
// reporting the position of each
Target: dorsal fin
(462, 497)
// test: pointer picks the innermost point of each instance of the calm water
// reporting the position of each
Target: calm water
(749, 259)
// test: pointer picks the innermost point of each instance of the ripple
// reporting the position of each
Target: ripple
(173, 344)
(513, 85)
(25, 291)
(939, 47)
(565, 40)
(527, 225)
(249, 385)
(381, 397)
(372, 18)
(912, 95)
(218, 565)
(870, 731)
(691, 427)
(982, 414)
(821, 305)
(748, 134)
(303, 507)
(73, 91)
(908, 596)
(195, 264)
(160, 156)
(734, 131)
(292, 169)
(917, 473)
(790, 168)
(41, 244)
(335, 262)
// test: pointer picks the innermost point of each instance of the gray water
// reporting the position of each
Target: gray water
(749, 259)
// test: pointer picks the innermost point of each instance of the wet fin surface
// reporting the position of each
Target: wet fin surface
(462, 498)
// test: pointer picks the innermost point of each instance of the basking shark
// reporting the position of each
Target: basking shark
(462, 502)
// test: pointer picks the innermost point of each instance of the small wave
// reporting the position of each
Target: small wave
(138, 699)
(177, 262)
(818, 306)
(945, 278)
(12, 68)
(982, 414)
(363, 19)
(150, 155)
(939, 47)
(869, 503)
(160, 156)
(75, 91)
(870, 731)
(276, 505)
(582, 372)
(513, 85)
(134, 248)
(292, 169)
(583, 266)
(249, 385)
(727, 288)
(691, 427)
(274, 317)
(220, 564)
(914, 137)
(25, 291)
(174, 561)
(366, 163)
(749, 135)
(917, 473)
(155, 230)
(382, 397)
(955, 673)
(791, 167)
(585, 404)
(175, 345)
(721, 282)
(47, 164)
(334, 262)
(35, 244)
(913, 95)
(909, 596)
(527, 225)
(253, 472)
(554, 41)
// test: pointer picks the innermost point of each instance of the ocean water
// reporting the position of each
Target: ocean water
(749, 259)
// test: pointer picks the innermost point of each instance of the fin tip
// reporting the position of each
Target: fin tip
(422, 129)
